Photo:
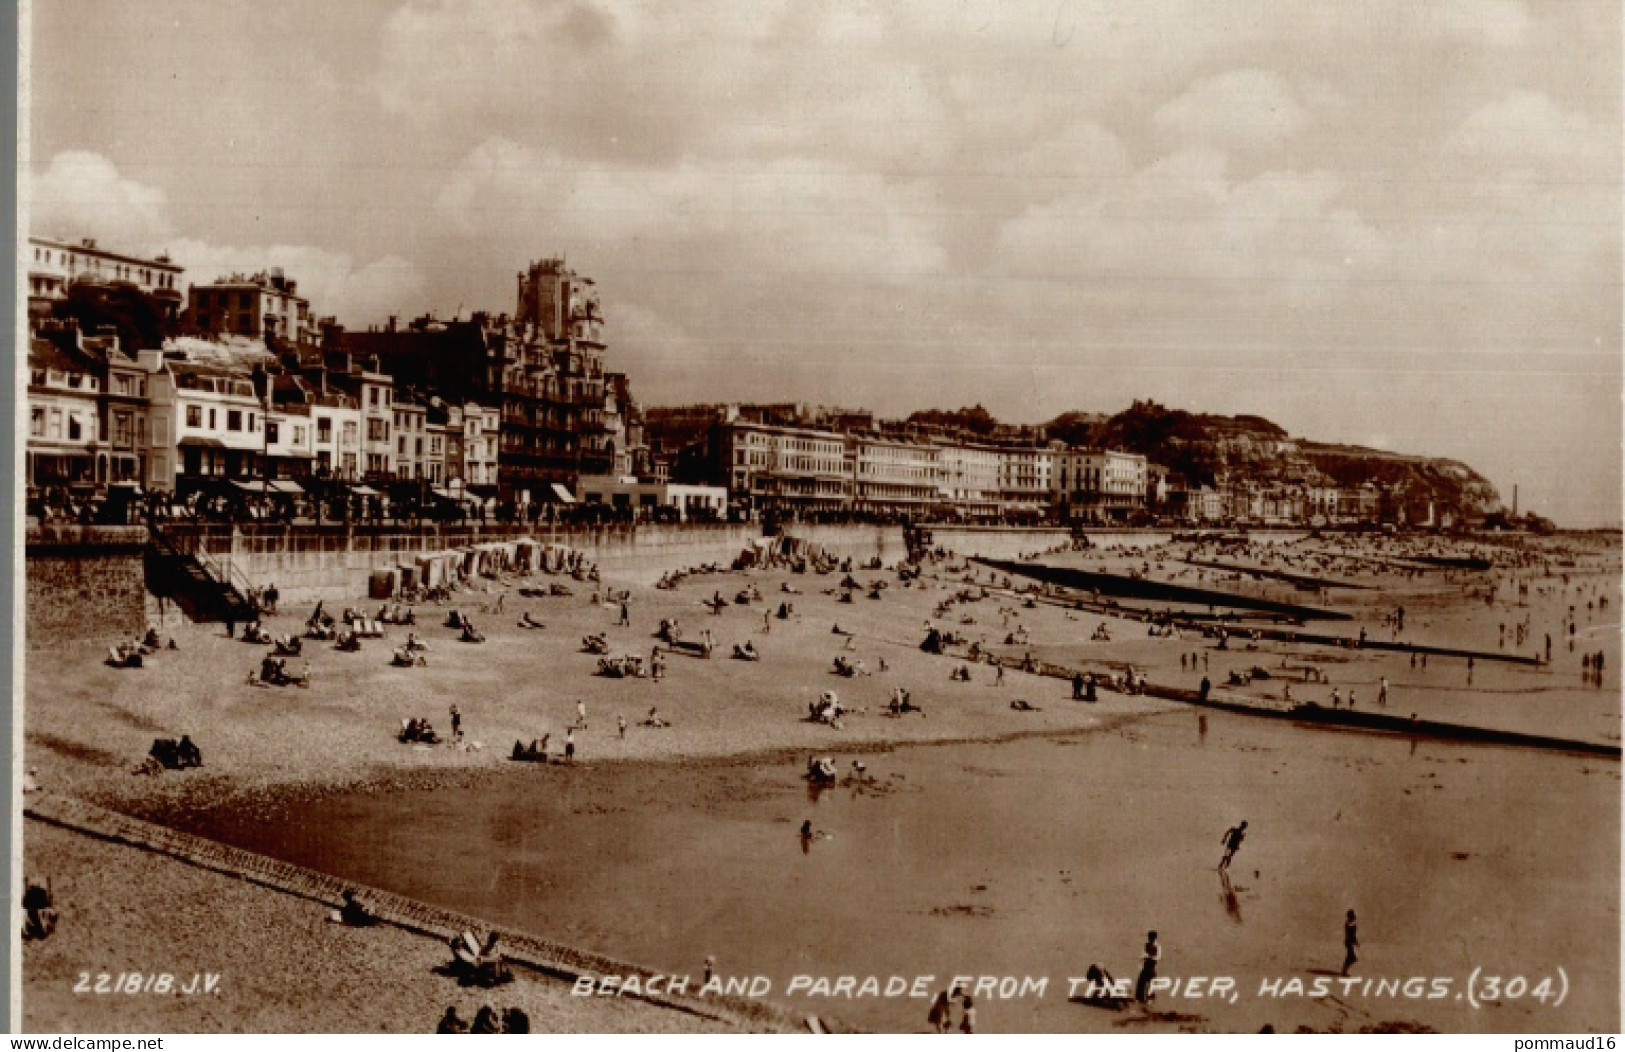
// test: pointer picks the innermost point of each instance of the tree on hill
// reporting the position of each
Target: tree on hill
(975, 419)
(123, 308)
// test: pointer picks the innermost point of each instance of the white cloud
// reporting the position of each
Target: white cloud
(1528, 127)
(1281, 236)
(334, 282)
(1246, 107)
(791, 216)
(82, 194)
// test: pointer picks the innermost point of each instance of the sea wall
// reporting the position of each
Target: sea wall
(857, 542)
(999, 542)
(84, 583)
(335, 562)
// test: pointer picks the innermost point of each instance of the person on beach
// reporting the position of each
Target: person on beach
(1382, 691)
(451, 1022)
(940, 1017)
(1202, 691)
(581, 714)
(806, 836)
(626, 614)
(1232, 843)
(1148, 968)
(1337, 698)
(967, 1016)
(1351, 939)
(569, 745)
(456, 722)
(620, 724)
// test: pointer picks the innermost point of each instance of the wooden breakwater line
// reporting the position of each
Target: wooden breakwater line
(518, 948)
(1311, 714)
(1158, 591)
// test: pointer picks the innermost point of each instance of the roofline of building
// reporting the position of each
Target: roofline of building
(34, 239)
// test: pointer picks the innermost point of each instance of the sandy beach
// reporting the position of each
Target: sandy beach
(278, 754)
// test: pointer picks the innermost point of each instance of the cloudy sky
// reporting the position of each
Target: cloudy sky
(1389, 222)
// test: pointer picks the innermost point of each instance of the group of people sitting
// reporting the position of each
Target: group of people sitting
(535, 752)
(826, 710)
(747, 651)
(477, 965)
(960, 673)
(486, 1021)
(133, 653)
(168, 754)
(416, 731)
(901, 703)
(627, 666)
(410, 653)
(320, 625)
(468, 633)
(396, 614)
(597, 643)
(1101, 634)
(255, 632)
(274, 672)
(821, 770)
(748, 595)
(855, 667)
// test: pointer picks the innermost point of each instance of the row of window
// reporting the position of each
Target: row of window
(121, 271)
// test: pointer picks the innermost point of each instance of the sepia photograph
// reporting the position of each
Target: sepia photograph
(838, 517)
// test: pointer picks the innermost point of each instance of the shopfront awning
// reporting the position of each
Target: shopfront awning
(286, 486)
(201, 443)
(563, 495)
(365, 491)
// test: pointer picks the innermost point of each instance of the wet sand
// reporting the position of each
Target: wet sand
(633, 854)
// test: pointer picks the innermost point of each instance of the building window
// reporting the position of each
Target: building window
(36, 423)
(377, 430)
(324, 429)
(212, 419)
(273, 431)
(298, 435)
(75, 431)
(234, 420)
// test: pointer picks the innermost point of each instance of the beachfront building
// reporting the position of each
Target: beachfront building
(410, 423)
(54, 266)
(288, 446)
(1026, 478)
(208, 409)
(970, 478)
(63, 416)
(1100, 485)
(784, 469)
(642, 497)
(260, 305)
(335, 436)
(1205, 504)
(894, 475)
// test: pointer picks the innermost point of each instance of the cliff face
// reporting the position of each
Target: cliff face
(1205, 448)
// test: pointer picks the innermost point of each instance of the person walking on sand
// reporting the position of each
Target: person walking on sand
(456, 722)
(626, 614)
(570, 745)
(1382, 691)
(1148, 968)
(940, 1017)
(1232, 843)
(967, 1016)
(1351, 939)
(581, 714)
(998, 677)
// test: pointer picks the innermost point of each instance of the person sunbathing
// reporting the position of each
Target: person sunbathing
(349, 641)
(526, 621)
(654, 719)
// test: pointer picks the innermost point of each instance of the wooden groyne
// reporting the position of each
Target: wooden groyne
(518, 948)
(1158, 591)
(1296, 579)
